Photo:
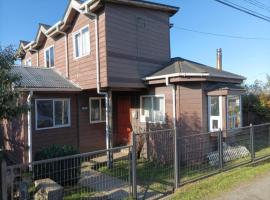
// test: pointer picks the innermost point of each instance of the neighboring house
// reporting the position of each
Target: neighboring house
(104, 71)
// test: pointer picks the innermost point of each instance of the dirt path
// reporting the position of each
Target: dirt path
(257, 189)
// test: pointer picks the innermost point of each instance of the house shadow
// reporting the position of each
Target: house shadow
(14, 140)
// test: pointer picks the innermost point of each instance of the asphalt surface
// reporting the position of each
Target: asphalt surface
(258, 189)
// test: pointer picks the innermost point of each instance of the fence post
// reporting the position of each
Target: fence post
(269, 134)
(134, 162)
(4, 181)
(220, 149)
(176, 172)
(252, 142)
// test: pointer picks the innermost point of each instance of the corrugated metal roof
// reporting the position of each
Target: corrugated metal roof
(181, 65)
(45, 78)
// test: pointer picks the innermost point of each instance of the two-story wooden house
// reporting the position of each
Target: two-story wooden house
(105, 70)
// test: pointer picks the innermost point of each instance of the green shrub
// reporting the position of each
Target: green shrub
(63, 171)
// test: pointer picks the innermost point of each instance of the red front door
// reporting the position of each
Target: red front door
(123, 120)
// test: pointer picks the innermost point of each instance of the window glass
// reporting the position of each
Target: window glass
(103, 110)
(215, 106)
(82, 42)
(153, 109)
(158, 108)
(234, 112)
(147, 108)
(44, 113)
(61, 112)
(85, 41)
(28, 62)
(77, 45)
(49, 57)
(97, 110)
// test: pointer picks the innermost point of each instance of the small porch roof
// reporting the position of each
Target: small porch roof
(224, 89)
(42, 79)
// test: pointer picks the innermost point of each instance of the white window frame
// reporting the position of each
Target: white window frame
(45, 62)
(54, 126)
(211, 118)
(241, 114)
(27, 61)
(142, 117)
(74, 43)
(100, 110)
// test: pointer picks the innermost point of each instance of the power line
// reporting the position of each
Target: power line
(245, 10)
(221, 34)
(258, 4)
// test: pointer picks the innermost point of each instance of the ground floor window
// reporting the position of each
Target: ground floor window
(215, 112)
(152, 108)
(234, 112)
(52, 113)
(97, 109)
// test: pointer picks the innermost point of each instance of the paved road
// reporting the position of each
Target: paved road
(258, 189)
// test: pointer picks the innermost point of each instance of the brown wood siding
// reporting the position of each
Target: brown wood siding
(92, 135)
(33, 56)
(137, 43)
(15, 136)
(139, 126)
(58, 136)
(83, 70)
(190, 104)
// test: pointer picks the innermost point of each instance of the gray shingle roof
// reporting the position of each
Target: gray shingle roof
(224, 86)
(180, 65)
(42, 78)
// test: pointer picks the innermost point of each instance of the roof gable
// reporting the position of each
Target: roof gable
(82, 6)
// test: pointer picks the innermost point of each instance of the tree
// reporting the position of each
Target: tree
(257, 102)
(10, 107)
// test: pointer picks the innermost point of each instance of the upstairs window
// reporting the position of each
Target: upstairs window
(152, 109)
(97, 109)
(49, 57)
(81, 42)
(28, 62)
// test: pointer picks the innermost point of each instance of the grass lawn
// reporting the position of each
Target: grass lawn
(216, 185)
(79, 193)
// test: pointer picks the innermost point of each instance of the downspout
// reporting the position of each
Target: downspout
(66, 49)
(29, 128)
(106, 94)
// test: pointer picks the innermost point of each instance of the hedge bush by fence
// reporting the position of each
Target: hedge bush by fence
(64, 172)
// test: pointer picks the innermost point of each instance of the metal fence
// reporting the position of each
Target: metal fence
(73, 177)
(154, 165)
(202, 155)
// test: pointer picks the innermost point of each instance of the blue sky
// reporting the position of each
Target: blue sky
(251, 58)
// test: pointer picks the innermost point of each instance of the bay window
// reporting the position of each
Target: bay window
(81, 42)
(234, 111)
(232, 117)
(152, 108)
(97, 109)
(52, 113)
